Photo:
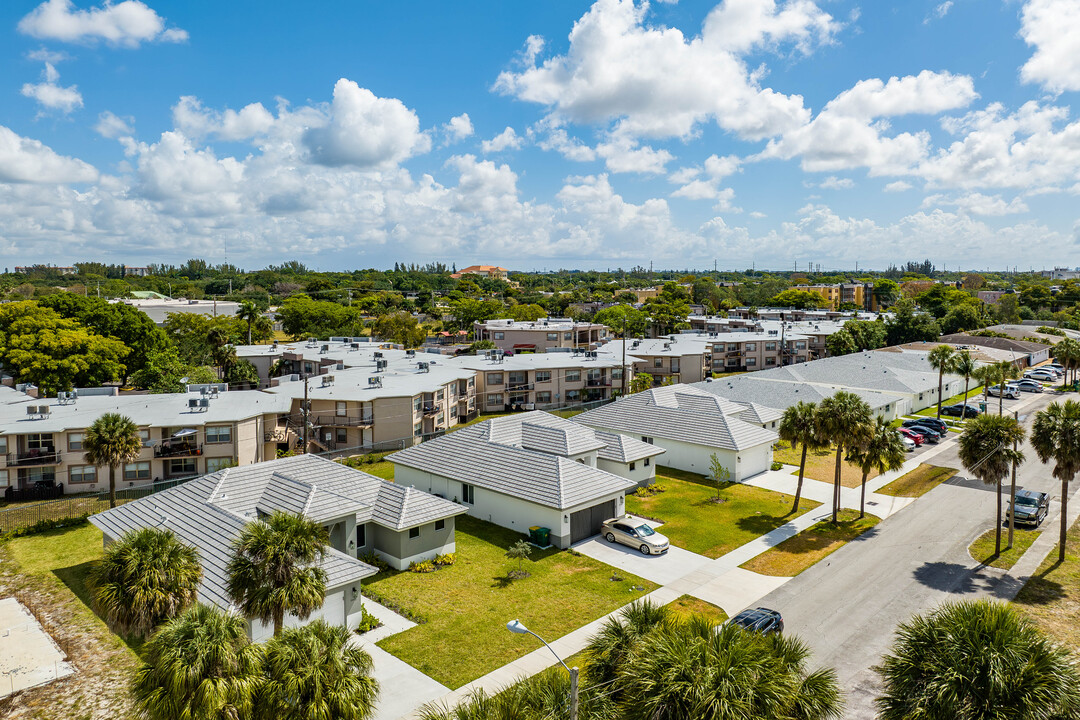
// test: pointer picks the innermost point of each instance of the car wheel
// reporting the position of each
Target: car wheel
(610, 537)
(644, 550)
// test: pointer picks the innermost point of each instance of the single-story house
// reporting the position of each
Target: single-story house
(691, 425)
(362, 514)
(531, 469)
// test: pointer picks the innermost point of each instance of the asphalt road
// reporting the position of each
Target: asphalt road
(848, 606)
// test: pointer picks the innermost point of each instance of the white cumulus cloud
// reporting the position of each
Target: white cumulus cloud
(508, 139)
(1052, 27)
(194, 120)
(836, 183)
(112, 126)
(898, 186)
(128, 23)
(978, 204)
(458, 128)
(50, 94)
(24, 160)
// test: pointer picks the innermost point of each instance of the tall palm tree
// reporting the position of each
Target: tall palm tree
(1055, 435)
(985, 375)
(986, 451)
(798, 426)
(977, 660)
(248, 312)
(312, 672)
(145, 578)
(1067, 352)
(693, 669)
(1006, 370)
(964, 364)
(112, 440)
(941, 359)
(274, 568)
(542, 696)
(199, 666)
(608, 650)
(222, 351)
(843, 419)
(881, 450)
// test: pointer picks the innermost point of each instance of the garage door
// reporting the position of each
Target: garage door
(586, 523)
(332, 611)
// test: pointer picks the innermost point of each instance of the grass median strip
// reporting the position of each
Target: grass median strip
(918, 482)
(1051, 596)
(982, 550)
(689, 605)
(820, 464)
(467, 605)
(694, 521)
(796, 554)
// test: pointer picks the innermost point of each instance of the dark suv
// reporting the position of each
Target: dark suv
(1031, 507)
(937, 425)
(762, 620)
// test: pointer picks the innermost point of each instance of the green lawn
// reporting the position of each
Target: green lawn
(693, 522)
(975, 392)
(1052, 596)
(918, 482)
(820, 464)
(689, 605)
(796, 554)
(982, 549)
(468, 604)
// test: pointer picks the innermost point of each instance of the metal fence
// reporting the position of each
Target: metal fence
(70, 507)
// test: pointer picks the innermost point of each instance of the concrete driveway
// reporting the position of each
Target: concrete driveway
(662, 569)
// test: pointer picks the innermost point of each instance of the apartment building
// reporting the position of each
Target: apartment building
(542, 381)
(541, 335)
(489, 271)
(183, 435)
(860, 294)
(673, 359)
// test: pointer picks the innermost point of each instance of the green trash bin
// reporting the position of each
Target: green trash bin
(539, 535)
(982, 407)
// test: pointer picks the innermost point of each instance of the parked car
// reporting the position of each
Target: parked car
(1043, 375)
(961, 410)
(912, 435)
(1011, 391)
(1032, 386)
(909, 444)
(1031, 507)
(1056, 366)
(628, 530)
(929, 434)
(929, 422)
(762, 620)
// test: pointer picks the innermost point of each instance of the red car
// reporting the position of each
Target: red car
(915, 437)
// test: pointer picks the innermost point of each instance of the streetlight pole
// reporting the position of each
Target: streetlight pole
(515, 626)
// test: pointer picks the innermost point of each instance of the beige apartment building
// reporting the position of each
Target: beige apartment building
(543, 381)
(683, 358)
(541, 335)
(184, 435)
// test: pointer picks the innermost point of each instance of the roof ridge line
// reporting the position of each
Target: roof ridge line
(310, 497)
(218, 484)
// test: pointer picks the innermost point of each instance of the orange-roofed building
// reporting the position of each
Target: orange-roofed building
(491, 271)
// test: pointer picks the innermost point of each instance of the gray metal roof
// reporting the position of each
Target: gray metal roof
(875, 371)
(490, 455)
(750, 389)
(693, 420)
(625, 449)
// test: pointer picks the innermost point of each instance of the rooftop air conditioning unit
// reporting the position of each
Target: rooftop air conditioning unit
(324, 348)
(374, 382)
(193, 403)
(354, 346)
(376, 354)
(423, 367)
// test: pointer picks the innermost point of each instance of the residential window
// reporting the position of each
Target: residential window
(144, 436)
(341, 409)
(751, 347)
(573, 376)
(770, 347)
(3, 478)
(43, 441)
(648, 461)
(75, 441)
(342, 436)
(732, 347)
(733, 362)
(495, 378)
(552, 337)
(518, 378)
(468, 494)
(543, 376)
(646, 439)
(494, 399)
(543, 396)
(219, 433)
(674, 365)
(414, 533)
(137, 471)
(658, 362)
(183, 466)
(213, 465)
(31, 476)
(417, 403)
(499, 336)
(439, 396)
(418, 429)
(616, 373)
(3, 444)
(440, 524)
(82, 474)
(573, 395)
(361, 536)
(568, 336)
(633, 466)
(800, 345)
(751, 362)
(770, 361)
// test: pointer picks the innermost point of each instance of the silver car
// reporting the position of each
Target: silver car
(636, 533)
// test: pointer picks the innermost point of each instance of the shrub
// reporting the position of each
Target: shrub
(444, 560)
(391, 604)
(42, 526)
(776, 465)
(375, 561)
(368, 622)
(422, 567)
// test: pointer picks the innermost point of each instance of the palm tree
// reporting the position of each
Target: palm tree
(843, 419)
(608, 650)
(1006, 370)
(798, 426)
(222, 351)
(986, 451)
(542, 696)
(1055, 435)
(1067, 352)
(881, 450)
(112, 440)
(274, 568)
(941, 359)
(977, 660)
(248, 312)
(693, 669)
(312, 672)
(964, 364)
(145, 578)
(200, 666)
(985, 375)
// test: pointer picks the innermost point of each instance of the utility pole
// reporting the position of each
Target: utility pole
(624, 355)
(1012, 487)
(306, 410)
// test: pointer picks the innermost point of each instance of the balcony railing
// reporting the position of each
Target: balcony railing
(431, 409)
(169, 450)
(34, 457)
(342, 420)
(519, 387)
(598, 382)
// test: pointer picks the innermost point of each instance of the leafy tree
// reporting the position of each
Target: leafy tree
(886, 291)
(196, 337)
(841, 343)
(669, 309)
(145, 578)
(799, 299)
(55, 353)
(977, 660)
(470, 310)
(303, 317)
(1055, 435)
(843, 419)
(480, 345)
(313, 672)
(705, 292)
(274, 568)
(798, 426)
(112, 440)
(199, 666)
(400, 327)
(986, 451)
(962, 318)
(164, 372)
(520, 551)
(1035, 296)
(718, 473)
(880, 450)
(1008, 309)
(242, 374)
(640, 382)
(867, 334)
(617, 317)
(942, 358)
(526, 313)
(907, 326)
(1067, 352)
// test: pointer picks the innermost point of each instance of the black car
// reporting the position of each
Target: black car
(1031, 507)
(960, 410)
(929, 434)
(762, 620)
(939, 426)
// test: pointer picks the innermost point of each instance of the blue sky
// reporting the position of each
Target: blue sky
(547, 134)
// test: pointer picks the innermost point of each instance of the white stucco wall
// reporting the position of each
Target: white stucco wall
(642, 474)
(698, 458)
(334, 611)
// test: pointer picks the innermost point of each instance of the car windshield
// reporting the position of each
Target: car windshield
(1026, 501)
(645, 530)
